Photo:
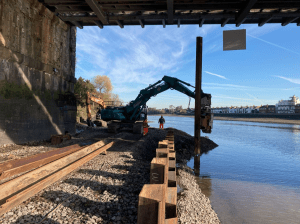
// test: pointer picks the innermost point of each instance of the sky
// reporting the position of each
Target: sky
(134, 57)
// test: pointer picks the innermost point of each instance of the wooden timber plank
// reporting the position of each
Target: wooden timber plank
(23, 181)
(38, 163)
(31, 191)
(20, 162)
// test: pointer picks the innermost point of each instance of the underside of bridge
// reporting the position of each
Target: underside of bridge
(38, 45)
(174, 12)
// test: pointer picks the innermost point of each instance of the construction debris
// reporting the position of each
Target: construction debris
(57, 139)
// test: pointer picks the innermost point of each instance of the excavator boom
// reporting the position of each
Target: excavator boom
(90, 98)
(132, 112)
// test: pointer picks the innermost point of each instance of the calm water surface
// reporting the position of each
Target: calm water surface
(253, 176)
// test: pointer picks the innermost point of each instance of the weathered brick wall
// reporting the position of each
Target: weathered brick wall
(37, 68)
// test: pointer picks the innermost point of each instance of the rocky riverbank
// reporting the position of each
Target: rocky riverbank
(106, 189)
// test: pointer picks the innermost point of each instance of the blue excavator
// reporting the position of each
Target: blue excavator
(134, 114)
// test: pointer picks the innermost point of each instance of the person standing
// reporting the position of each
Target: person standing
(161, 122)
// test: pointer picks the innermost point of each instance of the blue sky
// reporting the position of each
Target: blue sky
(133, 57)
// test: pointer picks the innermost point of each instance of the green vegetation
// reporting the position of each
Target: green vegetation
(11, 90)
(100, 87)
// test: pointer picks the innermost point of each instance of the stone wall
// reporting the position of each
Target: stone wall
(37, 73)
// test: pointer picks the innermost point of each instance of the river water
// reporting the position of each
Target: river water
(253, 176)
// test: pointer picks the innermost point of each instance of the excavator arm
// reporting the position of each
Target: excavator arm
(90, 98)
(132, 111)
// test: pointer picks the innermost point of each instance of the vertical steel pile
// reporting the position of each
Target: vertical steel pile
(157, 200)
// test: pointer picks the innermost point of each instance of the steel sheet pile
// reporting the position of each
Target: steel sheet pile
(157, 200)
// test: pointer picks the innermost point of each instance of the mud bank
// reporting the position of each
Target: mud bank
(260, 120)
(106, 189)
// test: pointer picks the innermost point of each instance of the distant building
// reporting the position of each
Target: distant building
(216, 110)
(297, 109)
(232, 110)
(255, 109)
(225, 110)
(267, 109)
(248, 109)
(287, 106)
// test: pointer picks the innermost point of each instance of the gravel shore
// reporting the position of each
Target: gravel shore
(106, 189)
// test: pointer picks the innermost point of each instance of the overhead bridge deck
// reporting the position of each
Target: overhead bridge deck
(171, 12)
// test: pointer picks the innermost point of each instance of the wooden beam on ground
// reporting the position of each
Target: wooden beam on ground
(289, 20)
(170, 4)
(97, 10)
(178, 23)
(164, 23)
(26, 164)
(34, 189)
(224, 22)
(11, 164)
(201, 22)
(78, 24)
(198, 95)
(264, 21)
(19, 183)
(120, 23)
(241, 15)
(99, 24)
(142, 23)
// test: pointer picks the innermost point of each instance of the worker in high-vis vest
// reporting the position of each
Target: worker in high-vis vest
(161, 122)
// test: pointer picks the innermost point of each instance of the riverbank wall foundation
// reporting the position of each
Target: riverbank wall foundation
(37, 73)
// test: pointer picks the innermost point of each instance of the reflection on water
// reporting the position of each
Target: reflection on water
(204, 183)
(249, 202)
(253, 176)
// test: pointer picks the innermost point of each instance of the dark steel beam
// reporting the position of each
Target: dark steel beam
(289, 20)
(187, 6)
(192, 16)
(164, 23)
(77, 24)
(265, 20)
(120, 23)
(142, 23)
(98, 23)
(198, 83)
(170, 11)
(241, 16)
(97, 10)
(224, 22)
(201, 22)
(83, 9)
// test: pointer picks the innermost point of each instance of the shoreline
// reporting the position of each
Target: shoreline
(106, 189)
(259, 120)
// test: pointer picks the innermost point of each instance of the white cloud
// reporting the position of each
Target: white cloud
(220, 76)
(296, 81)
